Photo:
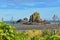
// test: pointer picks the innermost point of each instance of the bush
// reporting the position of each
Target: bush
(8, 32)
(55, 37)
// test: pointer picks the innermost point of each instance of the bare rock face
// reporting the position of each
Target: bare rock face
(35, 17)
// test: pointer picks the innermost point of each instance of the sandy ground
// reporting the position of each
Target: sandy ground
(38, 27)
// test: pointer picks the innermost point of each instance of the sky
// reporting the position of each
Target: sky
(20, 9)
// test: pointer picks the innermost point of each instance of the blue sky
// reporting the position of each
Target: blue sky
(24, 8)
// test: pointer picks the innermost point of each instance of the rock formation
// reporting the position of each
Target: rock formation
(20, 20)
(35, 17)
(33, 20)
(23, 20)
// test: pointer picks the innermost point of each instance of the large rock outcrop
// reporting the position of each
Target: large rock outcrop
(35, 17)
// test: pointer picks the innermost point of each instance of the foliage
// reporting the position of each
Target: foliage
(55, 37)
(8, 32)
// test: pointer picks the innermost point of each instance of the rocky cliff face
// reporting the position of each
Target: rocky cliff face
(35, 17)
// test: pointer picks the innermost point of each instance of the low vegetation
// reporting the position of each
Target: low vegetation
(8, 32)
